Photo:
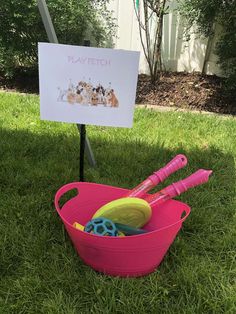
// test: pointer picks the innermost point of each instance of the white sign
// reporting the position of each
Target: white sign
(87, 85)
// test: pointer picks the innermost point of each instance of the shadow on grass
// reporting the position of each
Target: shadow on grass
(34, 167)
(43, 159)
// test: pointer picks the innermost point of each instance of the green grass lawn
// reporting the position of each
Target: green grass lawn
(39, 268)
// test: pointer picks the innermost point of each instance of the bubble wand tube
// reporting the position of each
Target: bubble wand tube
(199, 177)
(159, 176)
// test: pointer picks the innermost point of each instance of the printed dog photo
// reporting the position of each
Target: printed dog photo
(84, 93)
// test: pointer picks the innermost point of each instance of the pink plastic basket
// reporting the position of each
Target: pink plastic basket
(131, 256)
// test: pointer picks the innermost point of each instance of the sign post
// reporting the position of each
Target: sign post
(82, 129)
(52, 37)
(85, 85)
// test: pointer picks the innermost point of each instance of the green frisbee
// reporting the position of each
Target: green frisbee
(131, 211)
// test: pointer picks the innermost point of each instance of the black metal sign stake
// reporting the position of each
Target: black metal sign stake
(82, 128)
(82, 148)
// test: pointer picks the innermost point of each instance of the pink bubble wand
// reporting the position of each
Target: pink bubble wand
(159, 176)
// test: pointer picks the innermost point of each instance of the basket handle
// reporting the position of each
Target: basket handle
(187, 212)
(62, 191)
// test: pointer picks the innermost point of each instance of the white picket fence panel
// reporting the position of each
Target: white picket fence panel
(178, 55)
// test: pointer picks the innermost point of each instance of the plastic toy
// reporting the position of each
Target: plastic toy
(159, 176)
(99, 226)
(78, 226)
(122, 229)
(127, 230)
(136, 212)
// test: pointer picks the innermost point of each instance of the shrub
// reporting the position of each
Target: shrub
(74, 20)
(226, 48)
(207, 13)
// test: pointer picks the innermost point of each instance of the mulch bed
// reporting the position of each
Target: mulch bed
(181, 90)
(23, 81)
(187, 91)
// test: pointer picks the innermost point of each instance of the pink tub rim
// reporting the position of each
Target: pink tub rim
(74, 185)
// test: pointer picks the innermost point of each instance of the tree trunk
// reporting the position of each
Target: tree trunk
(152, 52)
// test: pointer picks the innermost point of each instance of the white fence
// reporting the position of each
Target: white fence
(178, 55)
